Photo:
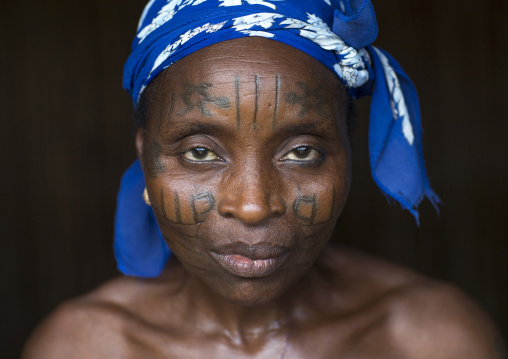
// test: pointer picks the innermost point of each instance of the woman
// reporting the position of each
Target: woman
(244, 167)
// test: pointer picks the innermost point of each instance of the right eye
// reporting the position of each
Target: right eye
(200, 154)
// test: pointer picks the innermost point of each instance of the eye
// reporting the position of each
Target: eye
(303, 153)
(200, 154)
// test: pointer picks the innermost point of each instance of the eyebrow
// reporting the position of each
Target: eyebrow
(304, 128)
(192, 128)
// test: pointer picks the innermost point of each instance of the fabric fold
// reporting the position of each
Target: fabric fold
(356, 23)
(139, 247)
(395, 136)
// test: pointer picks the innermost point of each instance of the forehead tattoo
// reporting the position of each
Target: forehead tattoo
(277, 99)
(237, 99)
(315, 100)
(258, 88)
(198, 97)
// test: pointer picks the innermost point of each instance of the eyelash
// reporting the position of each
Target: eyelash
(203, 160)
(317, 154)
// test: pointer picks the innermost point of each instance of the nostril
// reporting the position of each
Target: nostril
(226, 209)
(278, 207)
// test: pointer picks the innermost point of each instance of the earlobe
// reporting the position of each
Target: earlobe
(140, 140)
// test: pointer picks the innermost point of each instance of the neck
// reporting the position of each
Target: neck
(240, 323)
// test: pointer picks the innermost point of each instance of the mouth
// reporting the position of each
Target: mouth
(250, 261)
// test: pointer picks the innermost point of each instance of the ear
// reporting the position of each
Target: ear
(140, 140)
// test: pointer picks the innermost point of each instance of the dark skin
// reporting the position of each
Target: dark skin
(247, 166)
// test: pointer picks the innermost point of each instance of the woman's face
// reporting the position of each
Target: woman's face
(247, 164)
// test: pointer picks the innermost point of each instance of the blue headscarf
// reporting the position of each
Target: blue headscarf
(337, 33)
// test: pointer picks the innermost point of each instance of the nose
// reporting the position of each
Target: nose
(251, 194)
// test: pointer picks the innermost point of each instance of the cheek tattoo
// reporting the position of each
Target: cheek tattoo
(191, 212)
(201, 205)
(315, 100)
(177, 209)
(163, 204)
(311, 210)
(305, 208)
(198, 97)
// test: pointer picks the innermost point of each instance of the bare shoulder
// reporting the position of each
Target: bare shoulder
(436, 320)
(422, 318)
(91, 326)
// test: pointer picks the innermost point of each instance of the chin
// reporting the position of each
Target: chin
(252, 291)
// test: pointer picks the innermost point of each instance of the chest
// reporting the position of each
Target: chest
(336, 340)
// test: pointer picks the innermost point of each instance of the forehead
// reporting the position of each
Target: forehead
(260, 77)
(250, 57)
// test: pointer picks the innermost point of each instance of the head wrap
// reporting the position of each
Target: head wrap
(337, 33)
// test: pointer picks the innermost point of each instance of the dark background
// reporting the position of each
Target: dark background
(66, 139)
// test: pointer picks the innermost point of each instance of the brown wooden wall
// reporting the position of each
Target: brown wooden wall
(66, 139)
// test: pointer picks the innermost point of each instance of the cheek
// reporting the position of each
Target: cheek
(319, 202)
(181, 204)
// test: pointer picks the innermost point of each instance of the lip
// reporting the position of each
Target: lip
(250, 261)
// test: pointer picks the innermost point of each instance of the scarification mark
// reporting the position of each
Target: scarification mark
(177, 208)
(305, 208)
(163, 205)
(201, 205)
(258, 85)
(277, 99)
(237, 97)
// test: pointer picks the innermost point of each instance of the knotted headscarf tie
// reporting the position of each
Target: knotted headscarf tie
(337, 33)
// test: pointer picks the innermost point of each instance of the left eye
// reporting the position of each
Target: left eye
(303, 153)
(200, 154)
